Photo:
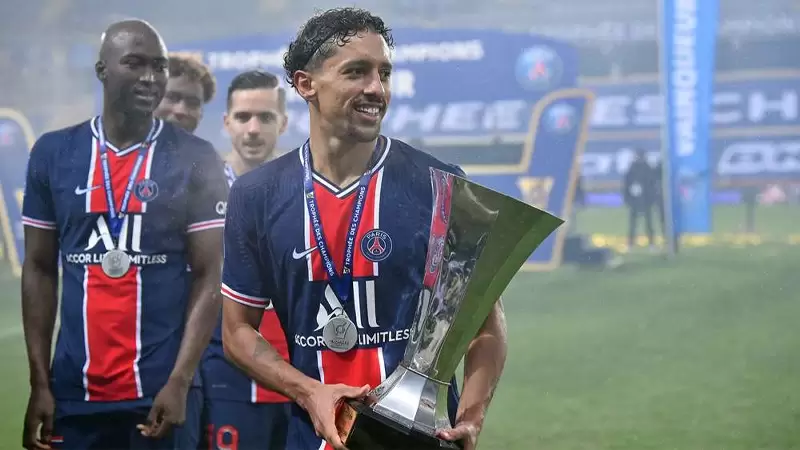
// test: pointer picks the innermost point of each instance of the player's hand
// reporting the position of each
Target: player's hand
(168, 410)
(465, 433)
(38, 428)
(321, 406)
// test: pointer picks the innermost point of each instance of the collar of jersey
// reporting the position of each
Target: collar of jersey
(118, 152)
(384, 145)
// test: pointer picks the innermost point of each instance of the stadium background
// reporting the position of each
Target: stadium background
(699, 352)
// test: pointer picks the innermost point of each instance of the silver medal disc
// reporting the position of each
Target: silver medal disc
(340, 334)
(116, 263)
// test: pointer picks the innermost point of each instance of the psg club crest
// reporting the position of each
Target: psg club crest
(146, 190)
(561, 118)
(376, 245)
(539, 68)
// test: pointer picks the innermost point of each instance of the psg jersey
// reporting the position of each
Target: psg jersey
(224, 381)
(119, 337)
(272, 255)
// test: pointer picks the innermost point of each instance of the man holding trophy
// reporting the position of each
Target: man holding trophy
(383, 264)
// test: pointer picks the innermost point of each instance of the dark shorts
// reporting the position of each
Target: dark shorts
(107, 431)
(117, 430)
(245, 426)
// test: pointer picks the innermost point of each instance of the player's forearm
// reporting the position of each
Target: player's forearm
(203, 312)
(39, 306)
(249, 351)
(483, 366)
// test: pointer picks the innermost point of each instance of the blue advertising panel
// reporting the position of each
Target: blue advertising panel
(446, 84)
(511, 98)
(547, 172)
(755, 128)
(688, 41)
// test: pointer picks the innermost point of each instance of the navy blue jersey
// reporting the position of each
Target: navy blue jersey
(118, 338)
(271, 255)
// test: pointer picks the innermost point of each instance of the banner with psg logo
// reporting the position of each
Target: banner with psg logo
(503, 106)
(16, 139)
(546, 176)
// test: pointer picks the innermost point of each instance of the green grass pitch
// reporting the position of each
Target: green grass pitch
(698, 353)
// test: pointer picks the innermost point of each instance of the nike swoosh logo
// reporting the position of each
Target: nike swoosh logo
(82, 190)
(303, 254)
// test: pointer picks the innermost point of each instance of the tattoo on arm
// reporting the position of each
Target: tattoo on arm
(263, 348)
(491, 392)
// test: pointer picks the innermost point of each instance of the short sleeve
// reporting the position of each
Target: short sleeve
(243, 272)
(38, 210)
(208, 191)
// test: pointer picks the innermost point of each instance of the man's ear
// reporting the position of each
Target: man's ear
(100, 70)
(304, 84)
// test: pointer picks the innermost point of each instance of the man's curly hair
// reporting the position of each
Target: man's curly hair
(318, 39)
(195, 71)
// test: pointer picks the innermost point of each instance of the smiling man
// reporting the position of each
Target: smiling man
(334, 235)
(124, 202)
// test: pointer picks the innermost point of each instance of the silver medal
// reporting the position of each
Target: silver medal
(340, 334)
(116, 263)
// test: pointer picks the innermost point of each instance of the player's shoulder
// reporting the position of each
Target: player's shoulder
(405, 155)
(62, 138)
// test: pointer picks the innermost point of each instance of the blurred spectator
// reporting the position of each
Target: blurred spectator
(638, 193)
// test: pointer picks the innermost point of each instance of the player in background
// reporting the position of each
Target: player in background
(347, 191)
(238, 412)
(126, 201)
(190, 87)
(256, 117)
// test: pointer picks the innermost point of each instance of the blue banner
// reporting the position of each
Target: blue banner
(447, 85)
(546, 175)
(503, 106)
(688, 40)
(755, 131)
(735, 161)
(16, 140)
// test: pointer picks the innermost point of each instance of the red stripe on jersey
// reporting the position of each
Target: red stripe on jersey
(440, 217)
(335, 214)
(354, 368)
(272, 331)
(121, 168)
(111, 327)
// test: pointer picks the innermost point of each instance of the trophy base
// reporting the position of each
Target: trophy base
(361, 428)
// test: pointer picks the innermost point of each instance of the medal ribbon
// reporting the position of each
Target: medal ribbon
(341, 284)
(116, 217)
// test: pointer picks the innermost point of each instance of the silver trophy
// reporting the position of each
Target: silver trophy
(479, 239)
